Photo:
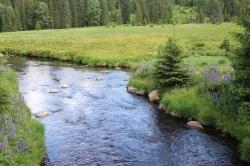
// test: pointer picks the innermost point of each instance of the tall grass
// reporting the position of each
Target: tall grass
(120, 46)
(21, 137)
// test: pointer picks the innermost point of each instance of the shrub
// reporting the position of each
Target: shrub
(225, 46)
(222, 62)
(208, 117)
(168, 69)
(245, 149)
(143, 78)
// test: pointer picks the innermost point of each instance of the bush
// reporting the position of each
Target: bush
(225, 46)
(143, 78)
(245, 150)
(208, 117)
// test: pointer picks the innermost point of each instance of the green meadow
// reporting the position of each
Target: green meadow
(123, 46)
(137, 47)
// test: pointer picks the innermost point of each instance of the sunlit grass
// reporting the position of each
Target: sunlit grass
(119, 46)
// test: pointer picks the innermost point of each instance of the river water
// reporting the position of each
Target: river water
(96, 122)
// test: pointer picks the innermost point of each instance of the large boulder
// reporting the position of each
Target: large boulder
(41, 114)
(195, 124)
(154, 96)
(136, 91)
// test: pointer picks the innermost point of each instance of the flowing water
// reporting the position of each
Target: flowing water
(96, 122)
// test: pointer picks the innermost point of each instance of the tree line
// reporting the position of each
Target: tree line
(52, 14)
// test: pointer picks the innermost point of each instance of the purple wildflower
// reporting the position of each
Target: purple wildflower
(4, 143)
(21, 146)
(12, 132)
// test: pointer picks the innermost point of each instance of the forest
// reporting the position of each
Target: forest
(54, 14)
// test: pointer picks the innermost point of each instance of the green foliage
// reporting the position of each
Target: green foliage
(245, 149)
(225, 46)
(26, 14)
(8, 89)
(24, 145)
(242, 63)
(92, 13)
(168, 70)
(217, 15)
(143, 78)
(186, 102)
(42, 17)
(8, 19)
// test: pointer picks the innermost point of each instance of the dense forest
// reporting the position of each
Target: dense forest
(48, 14)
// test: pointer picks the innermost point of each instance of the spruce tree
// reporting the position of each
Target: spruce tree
(217, 15)
(125, 11)
(92, 12)
(104, 13)
(168, 69)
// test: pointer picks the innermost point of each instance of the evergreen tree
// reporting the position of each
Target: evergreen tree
(217, 16)
(125, 11)
(29, 14)
(92, 12)
(104, 12)
(168, 70)
(200, 16)
(42, 16)
(8, 19)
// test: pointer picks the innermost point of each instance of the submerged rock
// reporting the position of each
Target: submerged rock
(54, 91)
(174, 114)
(41, 114)
(154, 96)
(125, 79)
(195, 124)
(99, 79)
(162, 107)
(136, 91)
(1, 55)
(65, 86)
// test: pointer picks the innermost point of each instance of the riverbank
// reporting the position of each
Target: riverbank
(21, 136)
(197, 102)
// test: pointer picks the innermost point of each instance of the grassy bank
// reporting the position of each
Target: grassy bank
(21, 137)
(122, 46)
(206, 98)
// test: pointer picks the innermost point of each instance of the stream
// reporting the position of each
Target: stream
(95, 122)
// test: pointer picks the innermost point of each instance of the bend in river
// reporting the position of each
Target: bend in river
(94, 121)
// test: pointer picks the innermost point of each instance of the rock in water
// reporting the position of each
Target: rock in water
(162, 107)
(1, 55)
(65, 86)
(154, 97)
(99, 79)
(41, 114)
(132, 89)
(54, 91)
(195, 124)
(136, 91)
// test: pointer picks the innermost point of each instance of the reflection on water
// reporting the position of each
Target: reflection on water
(98, 123)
